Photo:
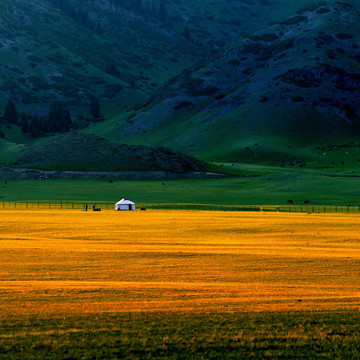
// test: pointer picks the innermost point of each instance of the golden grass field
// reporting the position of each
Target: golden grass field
(178, 285)
(58, 262)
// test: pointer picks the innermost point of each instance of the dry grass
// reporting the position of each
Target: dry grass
(171, 285)
(67, 261)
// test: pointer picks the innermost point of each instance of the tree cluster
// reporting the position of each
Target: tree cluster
(59, 119)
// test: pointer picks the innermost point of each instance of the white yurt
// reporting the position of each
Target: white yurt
(125, 204)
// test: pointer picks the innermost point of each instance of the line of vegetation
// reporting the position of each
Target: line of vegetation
(107, 205)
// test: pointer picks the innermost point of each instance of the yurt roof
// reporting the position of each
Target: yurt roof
(125, 201)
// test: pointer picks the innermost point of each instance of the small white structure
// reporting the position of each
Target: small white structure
(125, 204)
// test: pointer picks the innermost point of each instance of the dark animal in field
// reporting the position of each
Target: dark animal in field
(96, 209)
(306, 202)
(290, 202)
(143, 208)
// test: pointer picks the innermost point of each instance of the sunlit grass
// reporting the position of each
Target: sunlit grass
(215, 280)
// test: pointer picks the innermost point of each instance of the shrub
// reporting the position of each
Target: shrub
(344, 36)
(182, 104)
(234, 62)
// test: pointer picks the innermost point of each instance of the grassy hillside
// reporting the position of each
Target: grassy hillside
(112, 49)
(285, 95)
(75, 151)
(119, 52)
(272, 98)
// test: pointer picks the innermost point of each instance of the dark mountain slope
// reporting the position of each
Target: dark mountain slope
(118, 51)
(296, 82)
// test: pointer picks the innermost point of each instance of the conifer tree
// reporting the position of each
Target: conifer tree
(35, 127)
(137, 5)
(95, 108)
(163, 14)
(59, 117)
(187, 34)
(111, 68)
(68, 121)
(56, 114)
(10, 114)
(24, 124)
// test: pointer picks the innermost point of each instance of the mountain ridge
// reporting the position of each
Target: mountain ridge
(299, 76)
(72, 50)
(272, 96)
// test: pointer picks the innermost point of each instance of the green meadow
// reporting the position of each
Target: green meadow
(256, 185)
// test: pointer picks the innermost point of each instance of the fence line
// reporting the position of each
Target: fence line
(196, 207)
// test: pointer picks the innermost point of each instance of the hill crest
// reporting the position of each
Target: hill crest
(297, 78)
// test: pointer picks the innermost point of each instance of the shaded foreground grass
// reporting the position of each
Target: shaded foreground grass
(297, 335)
(172, 284)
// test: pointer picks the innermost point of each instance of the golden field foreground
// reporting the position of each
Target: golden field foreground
(63, 266)
(73, 261)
